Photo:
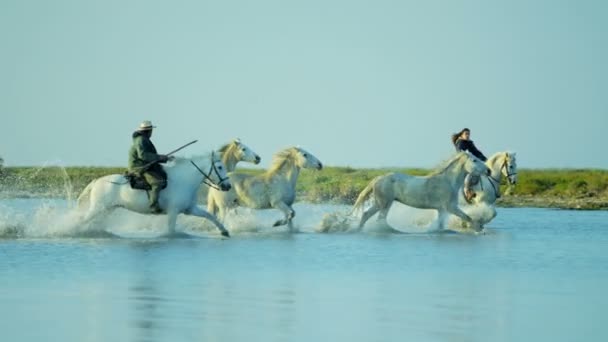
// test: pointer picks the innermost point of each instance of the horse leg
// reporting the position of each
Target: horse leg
(441, 218)
(211, 205)
(171, 221)
(367, 214)
(384, 213)
(289, 214)
(197, 211)
(93, 213)
(458, 212)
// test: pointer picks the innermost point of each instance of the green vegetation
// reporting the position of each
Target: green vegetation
(573, 189)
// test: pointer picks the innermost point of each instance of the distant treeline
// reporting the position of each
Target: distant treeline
(567, 188)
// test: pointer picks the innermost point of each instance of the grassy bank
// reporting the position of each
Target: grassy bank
(572, 189)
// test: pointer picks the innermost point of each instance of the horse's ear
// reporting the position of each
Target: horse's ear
(237, 141)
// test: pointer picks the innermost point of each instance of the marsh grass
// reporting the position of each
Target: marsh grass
(559, 188)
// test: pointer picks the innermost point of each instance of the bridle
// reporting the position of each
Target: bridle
(496, 183)
(506, 167)
(207, 180)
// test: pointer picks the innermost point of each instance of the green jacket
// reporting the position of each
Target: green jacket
(142, 152)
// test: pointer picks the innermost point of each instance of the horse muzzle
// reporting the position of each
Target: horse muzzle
(320, 166)
(257, 160)
(225, 186)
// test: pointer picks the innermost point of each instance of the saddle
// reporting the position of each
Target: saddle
(137, 182)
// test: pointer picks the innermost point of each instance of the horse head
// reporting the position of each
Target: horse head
(218, 175)
(509, 167)
(306, 160)
(244, 153)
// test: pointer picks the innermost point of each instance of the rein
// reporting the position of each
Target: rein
(505, 165)
(207, 180)
(496, 183)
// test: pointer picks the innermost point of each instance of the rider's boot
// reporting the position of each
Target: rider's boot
(469, 195)
(154, 206)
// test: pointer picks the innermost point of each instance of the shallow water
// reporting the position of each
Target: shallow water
(536, 275)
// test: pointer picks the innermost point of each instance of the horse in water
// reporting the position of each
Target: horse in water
(501, 164)
(234, 152)
(275, 188)
(439, 190)
(184, 177)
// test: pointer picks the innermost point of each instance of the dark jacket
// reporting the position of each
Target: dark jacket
(468, 145)
(142, 152)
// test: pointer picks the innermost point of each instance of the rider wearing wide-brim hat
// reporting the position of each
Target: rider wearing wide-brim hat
(145, 162)
(462, 142)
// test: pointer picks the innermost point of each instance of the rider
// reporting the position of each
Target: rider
(145, 161)
(462, 142)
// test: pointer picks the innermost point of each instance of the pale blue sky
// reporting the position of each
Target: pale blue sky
(359, 83)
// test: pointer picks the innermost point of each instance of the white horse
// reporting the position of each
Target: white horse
(501, 164)
(275, 188)
(234, 152)
(439, 190)
(487, 189)
(184, 177)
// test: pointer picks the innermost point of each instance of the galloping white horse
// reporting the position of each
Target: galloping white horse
(438, 190)
(234, 152)
(184, 177)
(488, 188)
(275, 188)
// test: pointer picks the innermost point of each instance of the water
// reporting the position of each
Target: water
(537, 275)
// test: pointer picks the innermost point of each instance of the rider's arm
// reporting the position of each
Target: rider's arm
(477, 153)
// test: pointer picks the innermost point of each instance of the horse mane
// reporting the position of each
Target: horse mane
(448, 163)
(495, 157)
(505, 154)
(280, 158)
(227, 147)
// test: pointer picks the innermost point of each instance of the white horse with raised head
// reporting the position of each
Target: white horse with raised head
(439, 190)
(275, 188)
(501, 164)
(184, 177)
(234, 152)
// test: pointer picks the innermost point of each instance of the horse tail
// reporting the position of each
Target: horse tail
(85, 194)
(364, 195)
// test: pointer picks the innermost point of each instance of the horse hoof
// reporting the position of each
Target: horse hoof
(225, 234)
(278, 223)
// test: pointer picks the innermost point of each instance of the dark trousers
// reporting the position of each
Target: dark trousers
(157, 178)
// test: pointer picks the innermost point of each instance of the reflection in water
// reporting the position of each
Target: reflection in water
(204, 307)
(144, 295)
(535, 270)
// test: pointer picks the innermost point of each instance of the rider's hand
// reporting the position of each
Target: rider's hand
(163, 158)
(170, 158)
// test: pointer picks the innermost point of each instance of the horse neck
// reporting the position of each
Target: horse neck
(289, 170)
(229, 160)
(455, 173)
(495, 164)
(186, 168)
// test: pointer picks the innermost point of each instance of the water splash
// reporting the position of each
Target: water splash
(40, 182)
(404, 219)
